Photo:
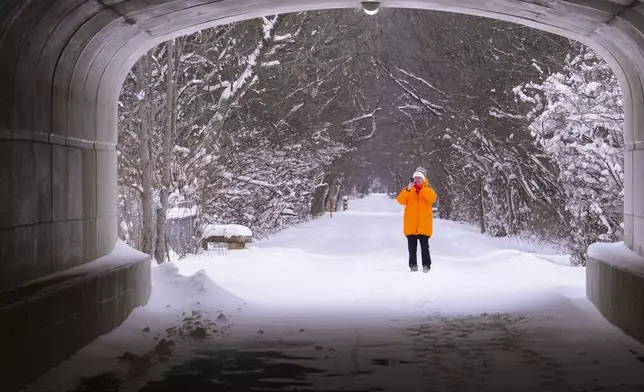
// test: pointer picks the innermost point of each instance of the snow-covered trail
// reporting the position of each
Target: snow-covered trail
(358, 259)
(331, 305)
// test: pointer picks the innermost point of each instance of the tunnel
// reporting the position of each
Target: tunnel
(62, 66)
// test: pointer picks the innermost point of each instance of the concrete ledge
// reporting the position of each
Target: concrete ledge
(45, 321)
(615, 285)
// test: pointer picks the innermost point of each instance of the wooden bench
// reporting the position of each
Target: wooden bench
(234, 236)
(234, 242)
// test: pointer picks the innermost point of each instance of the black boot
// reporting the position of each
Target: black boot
(413, 268)
(424, 250)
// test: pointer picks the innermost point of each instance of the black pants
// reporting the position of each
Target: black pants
(424, 250)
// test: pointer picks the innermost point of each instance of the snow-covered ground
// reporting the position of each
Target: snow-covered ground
(331, 305)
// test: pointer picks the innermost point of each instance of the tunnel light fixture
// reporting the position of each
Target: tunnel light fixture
(370, 7)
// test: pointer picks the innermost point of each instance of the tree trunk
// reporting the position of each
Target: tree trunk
(160, 250)
(481, 207)
(123, 220)
(147, 229)
(320, 196)
(337, 187)
(330, 180)
(508, 200)
(338, 193)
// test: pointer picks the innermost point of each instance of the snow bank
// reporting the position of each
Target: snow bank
(619, 255)
(172, 288)
(227, 231)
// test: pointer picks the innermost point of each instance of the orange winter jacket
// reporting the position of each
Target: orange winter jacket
(419, 217)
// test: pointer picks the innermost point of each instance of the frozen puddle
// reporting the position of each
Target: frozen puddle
(330, 306)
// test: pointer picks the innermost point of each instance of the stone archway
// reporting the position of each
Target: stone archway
(63, 64)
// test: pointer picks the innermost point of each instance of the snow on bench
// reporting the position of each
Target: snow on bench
(181, 212)
(235, 236)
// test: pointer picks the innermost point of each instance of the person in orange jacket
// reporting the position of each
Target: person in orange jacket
(418, 197)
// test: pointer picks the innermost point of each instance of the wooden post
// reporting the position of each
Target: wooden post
(331, 207)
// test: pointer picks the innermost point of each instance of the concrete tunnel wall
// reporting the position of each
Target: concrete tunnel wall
(62, 65)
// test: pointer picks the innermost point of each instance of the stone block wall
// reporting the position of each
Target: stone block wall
(53, 213)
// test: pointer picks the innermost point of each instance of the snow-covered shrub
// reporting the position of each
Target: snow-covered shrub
(577, 119)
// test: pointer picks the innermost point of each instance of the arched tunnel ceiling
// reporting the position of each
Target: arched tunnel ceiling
(61, 56)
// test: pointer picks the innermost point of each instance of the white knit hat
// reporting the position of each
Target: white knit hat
(418, 174)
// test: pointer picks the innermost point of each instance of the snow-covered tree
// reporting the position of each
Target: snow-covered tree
(242, 120)
(272, 119)
(577, 120)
